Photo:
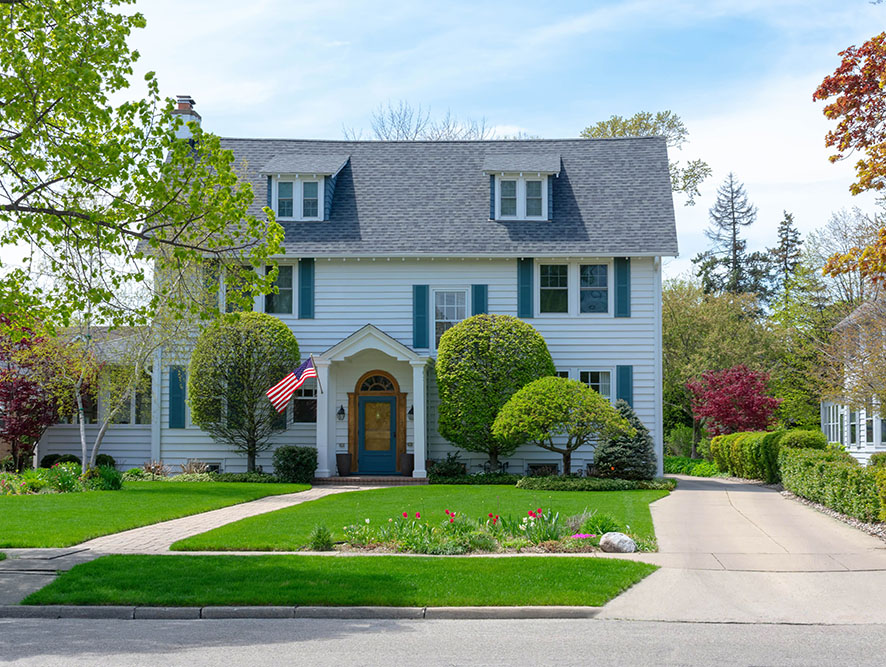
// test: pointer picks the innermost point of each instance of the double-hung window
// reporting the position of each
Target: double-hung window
(310, 199)
(304, 407)
(281, 302)
(522, 198)
(594, 288)
(553, 288)
(299, 199)
(869, 424)
(450, 307)
(853, 427)
(599, 381)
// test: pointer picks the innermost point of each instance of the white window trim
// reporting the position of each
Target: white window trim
(298, 181)
(613, 390)
(433, 307)
(574, 291)
(521, 179)
(259, 304)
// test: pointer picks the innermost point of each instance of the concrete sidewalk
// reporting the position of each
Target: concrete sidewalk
(740, 552)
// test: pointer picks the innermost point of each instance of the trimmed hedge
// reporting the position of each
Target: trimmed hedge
(594, 484)
(480, 478)
(835, 480)
(754, 454)
(877, 460)
(799, 439)
(683, 465)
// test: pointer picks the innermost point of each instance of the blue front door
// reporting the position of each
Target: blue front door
(377, 435)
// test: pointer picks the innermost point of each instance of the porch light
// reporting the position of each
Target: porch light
(340, 415)
(411, 413)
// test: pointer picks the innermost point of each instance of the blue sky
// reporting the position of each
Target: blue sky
(740, 73)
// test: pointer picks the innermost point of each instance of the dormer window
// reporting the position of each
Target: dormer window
(521, 197)
(298, 198)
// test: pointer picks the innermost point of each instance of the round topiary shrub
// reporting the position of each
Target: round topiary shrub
(481, 362)
(626, 456)
(105, 460)
(295, 464)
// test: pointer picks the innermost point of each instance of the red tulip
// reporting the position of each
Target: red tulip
(405, 514)
(418, 515)
(490, 515)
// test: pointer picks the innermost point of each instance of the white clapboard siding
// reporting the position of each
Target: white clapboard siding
(348, 294)
(129, 444)
(862, 448)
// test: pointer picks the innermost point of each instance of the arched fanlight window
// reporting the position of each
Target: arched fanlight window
(376, 383)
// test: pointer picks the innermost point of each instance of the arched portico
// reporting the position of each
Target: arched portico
(379, 385)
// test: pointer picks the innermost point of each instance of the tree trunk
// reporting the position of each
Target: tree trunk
(567, 462)
(250, 458)
(98, 442)
(696, 436)
(82, 425)
(493, 461)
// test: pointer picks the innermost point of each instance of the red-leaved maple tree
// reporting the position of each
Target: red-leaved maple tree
(859, 88)
(732, 400)
(26, 408)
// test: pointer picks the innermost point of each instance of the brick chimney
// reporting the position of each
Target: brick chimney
(185, 108)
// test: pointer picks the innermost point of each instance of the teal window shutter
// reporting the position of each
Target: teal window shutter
(622, 286)
(177, 394)
(479, 299)
(421, 316)
(306, 288)
(550, 197)
(624, 383)
(269, 191)
(492, 197)
(525, 307)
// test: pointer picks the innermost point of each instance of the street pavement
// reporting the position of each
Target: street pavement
(430, 643)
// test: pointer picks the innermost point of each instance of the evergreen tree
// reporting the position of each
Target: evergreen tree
(727, 267)
(626, 456)
(785, 256)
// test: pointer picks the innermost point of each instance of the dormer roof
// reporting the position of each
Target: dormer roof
(526, 162)
(322, 164)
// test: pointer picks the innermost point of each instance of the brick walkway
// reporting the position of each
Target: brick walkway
(159, 537)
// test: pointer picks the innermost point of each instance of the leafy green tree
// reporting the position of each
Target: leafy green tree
(86, 181)
(481, 362)
(236, 359)
(666, 124)
(702, 332)
(559, 415)
(628, 453)
(727, 267)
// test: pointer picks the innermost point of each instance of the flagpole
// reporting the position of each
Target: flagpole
(314, 364)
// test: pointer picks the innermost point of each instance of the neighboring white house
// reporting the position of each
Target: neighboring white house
(390, 243)
(862, 432)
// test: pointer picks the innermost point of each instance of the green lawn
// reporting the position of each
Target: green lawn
(65, 519)
(288, 529)
(339, 581)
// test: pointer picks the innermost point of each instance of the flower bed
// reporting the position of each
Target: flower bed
(60, 478)
(457, 534)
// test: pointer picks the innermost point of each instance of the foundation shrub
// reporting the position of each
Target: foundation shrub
(877, 460)
(296, 465)
(800, 439)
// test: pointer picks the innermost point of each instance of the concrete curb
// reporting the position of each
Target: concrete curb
(357, 613)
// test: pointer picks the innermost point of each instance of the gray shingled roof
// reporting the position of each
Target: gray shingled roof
(612, 197)
(298, 163)
(545, 163)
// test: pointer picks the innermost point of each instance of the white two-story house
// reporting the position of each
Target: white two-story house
(388, 244)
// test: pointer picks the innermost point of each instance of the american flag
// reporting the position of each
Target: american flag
(281, 392)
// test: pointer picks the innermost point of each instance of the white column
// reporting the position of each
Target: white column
(420, 427)
(323, 403)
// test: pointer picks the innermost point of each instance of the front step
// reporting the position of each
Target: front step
(370, 480)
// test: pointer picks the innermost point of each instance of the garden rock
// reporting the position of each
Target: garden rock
(617, 543)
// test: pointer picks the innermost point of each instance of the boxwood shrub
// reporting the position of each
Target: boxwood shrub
(479, 478)
(296, 465)
(594, 484)
(752, 454)
(800, 439)
(835, 480)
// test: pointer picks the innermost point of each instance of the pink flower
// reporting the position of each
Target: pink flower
(451, 519)
(418, 515)
(405, 514)
(538, 511)
(447, 512)
(490, 515)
